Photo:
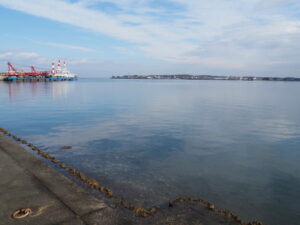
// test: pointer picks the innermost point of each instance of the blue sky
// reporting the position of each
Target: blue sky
(104, 38)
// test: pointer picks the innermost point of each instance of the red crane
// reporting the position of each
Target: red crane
(38, 73)
(33, 69)
(11, 70)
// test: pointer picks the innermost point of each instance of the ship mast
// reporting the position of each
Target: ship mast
(53, 68)
(65, 67)
(58, 67)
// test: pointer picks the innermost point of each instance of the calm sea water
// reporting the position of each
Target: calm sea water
(236, 144)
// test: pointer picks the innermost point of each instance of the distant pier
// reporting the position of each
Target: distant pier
(205, 77)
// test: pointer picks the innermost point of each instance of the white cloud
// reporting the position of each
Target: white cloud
(18, 55)
(5, 55)
(74, 47)
(83, 61)
(237, 35)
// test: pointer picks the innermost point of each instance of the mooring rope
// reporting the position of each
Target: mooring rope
(21, 213)
(138, 210)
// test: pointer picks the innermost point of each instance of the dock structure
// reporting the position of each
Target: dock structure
(59, 74)
(36, 78)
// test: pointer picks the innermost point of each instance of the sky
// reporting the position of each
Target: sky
(101, 38)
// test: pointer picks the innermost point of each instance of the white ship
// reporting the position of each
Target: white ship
(62, 73)
(2, 77)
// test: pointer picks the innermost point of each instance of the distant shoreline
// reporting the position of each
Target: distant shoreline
(204, 77)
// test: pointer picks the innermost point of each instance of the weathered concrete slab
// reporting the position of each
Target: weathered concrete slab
(26, 181)
(19, 189)
(112, 217)
(75, 221)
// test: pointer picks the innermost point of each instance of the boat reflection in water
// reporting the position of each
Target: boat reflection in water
(58, 90)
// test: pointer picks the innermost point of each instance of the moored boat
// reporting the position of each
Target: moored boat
(59, 74)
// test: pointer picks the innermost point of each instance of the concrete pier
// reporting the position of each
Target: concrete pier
(27, 182)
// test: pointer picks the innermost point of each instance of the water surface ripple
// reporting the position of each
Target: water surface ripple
(234, 143)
